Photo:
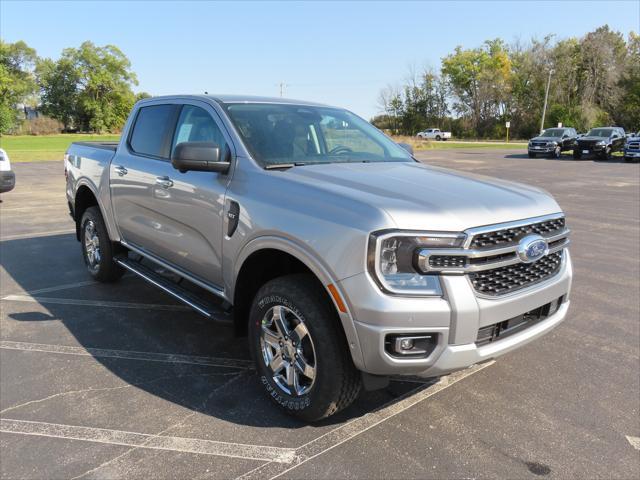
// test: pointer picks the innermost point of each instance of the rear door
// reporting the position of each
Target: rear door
(175, 216)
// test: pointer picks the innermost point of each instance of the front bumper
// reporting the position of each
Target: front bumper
(7, 181)
(454, 319)
(549, 149)
(632, 153)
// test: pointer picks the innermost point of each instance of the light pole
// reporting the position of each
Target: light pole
(546, 97)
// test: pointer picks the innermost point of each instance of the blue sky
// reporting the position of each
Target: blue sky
(341, 53)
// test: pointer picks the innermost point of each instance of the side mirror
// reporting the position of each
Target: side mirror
(565, 136)
(198, 156)
(407, 147)
(615, 135)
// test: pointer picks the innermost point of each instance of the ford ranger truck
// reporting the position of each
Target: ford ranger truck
(342, 258)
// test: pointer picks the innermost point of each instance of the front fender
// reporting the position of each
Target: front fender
(314, 263)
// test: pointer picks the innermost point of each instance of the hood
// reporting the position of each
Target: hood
(545, 139)
(421, 197)
(593, 139)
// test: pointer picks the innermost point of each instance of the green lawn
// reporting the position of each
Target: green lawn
(37, 148)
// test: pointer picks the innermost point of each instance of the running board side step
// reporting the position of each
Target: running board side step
(185, 296)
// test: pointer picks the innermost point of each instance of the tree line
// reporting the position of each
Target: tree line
(88, 89)
(594, 80)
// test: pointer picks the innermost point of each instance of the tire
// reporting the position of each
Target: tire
(606, 155)
(531, 155)
(438, 138)
(319, 347)
(97, 249)
(557, 153)
(577, 155)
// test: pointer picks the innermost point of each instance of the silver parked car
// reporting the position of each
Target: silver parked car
(341, 257)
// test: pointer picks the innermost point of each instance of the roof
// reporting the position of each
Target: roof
(244, 99)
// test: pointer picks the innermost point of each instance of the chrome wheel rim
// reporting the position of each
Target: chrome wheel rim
(92, 245)
(288, 351)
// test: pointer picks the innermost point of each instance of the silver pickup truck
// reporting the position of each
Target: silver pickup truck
(341, 257)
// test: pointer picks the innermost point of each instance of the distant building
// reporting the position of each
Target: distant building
(29, 112)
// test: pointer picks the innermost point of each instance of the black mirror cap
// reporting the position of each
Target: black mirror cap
(407, 147)
(200, 157)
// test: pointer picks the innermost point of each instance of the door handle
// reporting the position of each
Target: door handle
(164, 182)
(120, 170)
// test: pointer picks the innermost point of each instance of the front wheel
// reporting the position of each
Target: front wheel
(577, 155)
(606, 155)
(557, 152)
(532, 155)
(438, 138)
(300, 351)
(97, 249)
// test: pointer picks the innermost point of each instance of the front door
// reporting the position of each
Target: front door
(175, 216)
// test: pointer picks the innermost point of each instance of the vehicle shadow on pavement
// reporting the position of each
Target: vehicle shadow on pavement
(52, 267)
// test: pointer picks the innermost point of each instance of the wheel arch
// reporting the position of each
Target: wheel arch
(266, 258)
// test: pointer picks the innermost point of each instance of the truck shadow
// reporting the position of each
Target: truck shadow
(59, 280)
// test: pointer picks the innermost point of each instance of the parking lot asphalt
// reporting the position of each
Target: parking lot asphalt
(119, 381)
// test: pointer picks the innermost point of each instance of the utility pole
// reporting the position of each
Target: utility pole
(282, 86)
(546, 97)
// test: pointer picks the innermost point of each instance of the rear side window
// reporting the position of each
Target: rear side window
(151, 133)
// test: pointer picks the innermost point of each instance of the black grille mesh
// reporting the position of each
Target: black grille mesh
(511, 236)
(499, 281)
(447, 261)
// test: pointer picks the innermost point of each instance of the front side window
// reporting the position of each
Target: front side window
(196, 125)
(151, 132)
(300, 134)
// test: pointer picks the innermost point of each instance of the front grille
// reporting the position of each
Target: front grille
(538, 144)
(447, 261)
(511, 236)
(502, 280)
(633, 146)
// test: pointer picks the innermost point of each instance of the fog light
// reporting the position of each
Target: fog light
(410, 345)
(406, 343)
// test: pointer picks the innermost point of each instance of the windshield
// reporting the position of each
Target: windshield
(295, 134)
(599, 132)
(553, 132)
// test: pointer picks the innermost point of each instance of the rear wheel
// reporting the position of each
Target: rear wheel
(300, 351)
(97, 249)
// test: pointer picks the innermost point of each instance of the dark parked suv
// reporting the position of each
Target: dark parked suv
(552, 142)
(601, 141)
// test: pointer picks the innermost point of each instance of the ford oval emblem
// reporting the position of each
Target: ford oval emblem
(532, 248)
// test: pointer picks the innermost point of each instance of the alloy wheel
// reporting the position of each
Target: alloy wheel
(92, 245)
(288, 351)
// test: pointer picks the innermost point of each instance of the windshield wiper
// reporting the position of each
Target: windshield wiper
(283, 166)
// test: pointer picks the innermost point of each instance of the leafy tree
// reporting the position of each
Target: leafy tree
(88, 88)
(17, 82)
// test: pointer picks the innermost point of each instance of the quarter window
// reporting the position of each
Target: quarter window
(151, 132)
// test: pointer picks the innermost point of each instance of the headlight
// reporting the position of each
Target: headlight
(392, 260)
(601, 142)
(551, 144)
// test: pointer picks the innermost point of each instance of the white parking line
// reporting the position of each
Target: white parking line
(143, 440)
(634, 441)
(48, 233)
(128, 355)
(62, 287)
(94, 303)
(349, 430)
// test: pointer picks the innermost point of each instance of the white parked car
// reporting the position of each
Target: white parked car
(434, 134)
(7, 177)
